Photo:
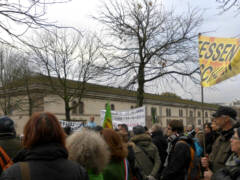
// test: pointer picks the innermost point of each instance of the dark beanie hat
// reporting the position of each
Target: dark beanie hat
(227, 111)
(138, 130)
(6, 125)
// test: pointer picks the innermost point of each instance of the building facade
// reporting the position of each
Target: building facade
(162, 109)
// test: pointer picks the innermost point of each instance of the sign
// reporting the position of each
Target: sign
(131, 117)
(74, 125)
(219, 59)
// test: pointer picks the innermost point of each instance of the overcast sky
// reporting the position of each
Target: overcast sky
(77, 13)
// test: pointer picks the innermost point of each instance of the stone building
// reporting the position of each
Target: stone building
(163, 107)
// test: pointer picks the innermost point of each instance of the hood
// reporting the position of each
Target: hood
(47, 152)
(141, 139)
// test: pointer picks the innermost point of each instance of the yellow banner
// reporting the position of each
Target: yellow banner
(219, 59)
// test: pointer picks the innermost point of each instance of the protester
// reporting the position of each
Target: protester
(91, 123)
(90, 150)
(231, 171)
(178, 159)
(209, 137)
(8, 140)
(118, 168)
(146, 154)
(225, 118)
(45, 155)
(199, 135)
(160, 141)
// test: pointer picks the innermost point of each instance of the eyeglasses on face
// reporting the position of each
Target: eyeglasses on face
(234, 138)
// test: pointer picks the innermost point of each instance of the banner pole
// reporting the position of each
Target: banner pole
(202, 107)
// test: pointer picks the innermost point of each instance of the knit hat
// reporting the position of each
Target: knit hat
(138, 130)
(6, 125)
(227, 111)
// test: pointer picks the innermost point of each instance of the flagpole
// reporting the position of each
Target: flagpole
(202, 107)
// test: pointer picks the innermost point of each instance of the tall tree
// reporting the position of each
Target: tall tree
(226, 5)
(8, 73)
(147, 42)
(20, 16)
(66, 57)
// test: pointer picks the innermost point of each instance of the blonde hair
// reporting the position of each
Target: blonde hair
(89, 149)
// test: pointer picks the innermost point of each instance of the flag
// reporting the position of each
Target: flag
(107, 123)
(219, 59)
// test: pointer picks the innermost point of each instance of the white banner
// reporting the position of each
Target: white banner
(131, 117)
(75, 125)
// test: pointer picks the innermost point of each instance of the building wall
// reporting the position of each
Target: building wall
(93, 105)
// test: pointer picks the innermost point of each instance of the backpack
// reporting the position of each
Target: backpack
(5, 160)
(198, 147)
(194, 169)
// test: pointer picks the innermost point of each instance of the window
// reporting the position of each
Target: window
(168, 121)
(168, 112)
(154, 114)
(112, 107)
(199, 122)
(206, 114)
(191, 114)
(181, 120)
(81, 107)
(74, 105)
(199, 114)
(78, 108)
(180, 112)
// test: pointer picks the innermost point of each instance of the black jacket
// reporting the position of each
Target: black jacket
(46, 162)
(161, 142)
(177, 162)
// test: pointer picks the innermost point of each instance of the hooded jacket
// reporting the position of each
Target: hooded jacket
(146, 155)
(48, 162)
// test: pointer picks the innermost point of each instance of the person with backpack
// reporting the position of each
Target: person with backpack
(9, 143)
(179, 155)
(44, 156)
(147, 160)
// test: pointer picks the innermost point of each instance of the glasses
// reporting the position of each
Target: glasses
(169, 128)
(234, 138)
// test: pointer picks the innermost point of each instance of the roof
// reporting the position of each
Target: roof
(167, 97)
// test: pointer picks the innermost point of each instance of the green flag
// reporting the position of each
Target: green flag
(107, 123)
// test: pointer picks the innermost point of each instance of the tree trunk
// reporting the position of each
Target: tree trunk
(140, 90)
(67, 111)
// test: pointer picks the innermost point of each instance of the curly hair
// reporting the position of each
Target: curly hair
(117, 147)
(89, 149)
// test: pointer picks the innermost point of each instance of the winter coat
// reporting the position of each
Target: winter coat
(221, 150)
(146, 155)
(10, 144)
(115, 170)
(177, 162)
(161, 142)
(231, 171)
(46, 162)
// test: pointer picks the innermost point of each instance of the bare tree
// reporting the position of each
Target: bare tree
(8, 74)
(69, 63)
(19, 16)
(147, 42)
(226, 5)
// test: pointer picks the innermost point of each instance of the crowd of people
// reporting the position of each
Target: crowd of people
(47, 151)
